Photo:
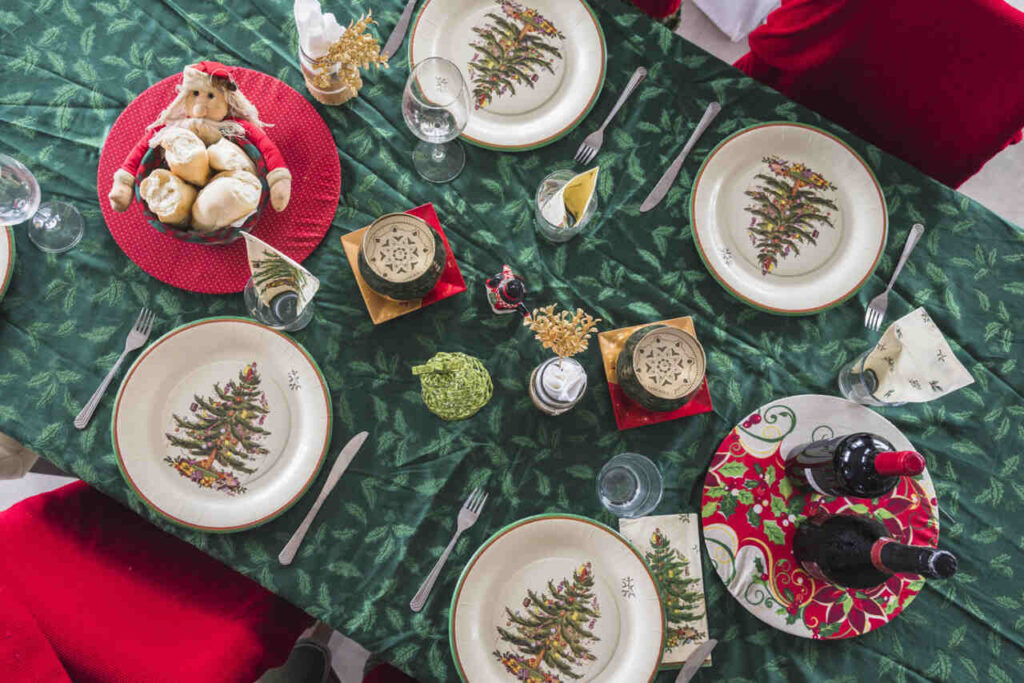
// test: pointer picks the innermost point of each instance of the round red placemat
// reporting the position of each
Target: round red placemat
(308, 149)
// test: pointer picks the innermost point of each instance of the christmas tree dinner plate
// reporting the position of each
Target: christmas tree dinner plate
(750, 512)
(221, 424)
(534, 68)
(556, 598)
(788, 218)
(6, 258)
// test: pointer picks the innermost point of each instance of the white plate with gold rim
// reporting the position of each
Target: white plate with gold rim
(534, 67)
(541, 578)
(6, 258)
(221, 424)
(788, 218)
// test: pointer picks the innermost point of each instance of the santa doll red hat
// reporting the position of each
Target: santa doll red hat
(208, 103)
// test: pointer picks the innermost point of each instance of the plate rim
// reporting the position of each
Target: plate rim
(557, 135)
(240, 527)
(8, 275)
(529, 520)
(727, 287)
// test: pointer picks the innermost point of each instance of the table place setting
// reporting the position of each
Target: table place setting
(507, 519)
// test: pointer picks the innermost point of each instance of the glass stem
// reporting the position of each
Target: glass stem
(439, 153)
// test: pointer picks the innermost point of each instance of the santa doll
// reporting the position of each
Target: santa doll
(209, 104)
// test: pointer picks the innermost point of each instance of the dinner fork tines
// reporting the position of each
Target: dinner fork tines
(592, 143)
(136, 338)
(468, 515)
(876, 308)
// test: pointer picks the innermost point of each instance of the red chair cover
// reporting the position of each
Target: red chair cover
(25, 653)
(120, 600)
(659, 9)
(938, 84)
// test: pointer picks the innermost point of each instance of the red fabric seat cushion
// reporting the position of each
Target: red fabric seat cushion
(120, 600)
(938, 84)
(25, 653)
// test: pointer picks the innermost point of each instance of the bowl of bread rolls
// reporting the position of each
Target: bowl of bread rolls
(199, 193)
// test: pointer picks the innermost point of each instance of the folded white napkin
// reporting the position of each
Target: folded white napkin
(737, 18)
(913, 362)
(317, 31)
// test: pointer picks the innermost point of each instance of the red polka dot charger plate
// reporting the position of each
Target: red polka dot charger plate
(309, 152)
(750, 512)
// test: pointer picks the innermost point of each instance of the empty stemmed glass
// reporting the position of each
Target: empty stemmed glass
(436, 106)
(56, 226)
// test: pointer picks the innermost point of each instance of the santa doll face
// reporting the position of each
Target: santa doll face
(206, 102)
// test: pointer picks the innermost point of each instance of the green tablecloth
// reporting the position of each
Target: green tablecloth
(69, 68)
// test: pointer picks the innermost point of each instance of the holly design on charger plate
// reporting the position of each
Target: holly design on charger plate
(510, 50)
(223, 429)
(788, 209)
(553, 631)
(679, 596)
(752, 496)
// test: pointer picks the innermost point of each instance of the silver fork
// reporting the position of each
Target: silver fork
(468, 515)
(592, 143)
(876, 309)
(136, 338)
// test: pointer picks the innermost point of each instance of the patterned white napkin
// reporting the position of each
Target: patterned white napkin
(670, 545)
(274, 273)
(913, 362)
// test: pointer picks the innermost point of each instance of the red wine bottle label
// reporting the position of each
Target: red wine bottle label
(876, 555)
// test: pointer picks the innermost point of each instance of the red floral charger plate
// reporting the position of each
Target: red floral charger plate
(750, 513)
(308, 149)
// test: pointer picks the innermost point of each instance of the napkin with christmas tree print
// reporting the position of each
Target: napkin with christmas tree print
(670, 545)
(273, 273)
(567, 207)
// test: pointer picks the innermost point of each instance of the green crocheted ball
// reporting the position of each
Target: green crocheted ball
(455, 386)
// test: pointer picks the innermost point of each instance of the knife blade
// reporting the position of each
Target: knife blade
(669, 177)
(398, 34)
(695, 661)
(341, 463)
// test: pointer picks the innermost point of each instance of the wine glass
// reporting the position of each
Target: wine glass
(435, 105)
(56, 226)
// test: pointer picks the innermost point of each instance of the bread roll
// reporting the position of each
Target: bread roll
(227, 156)
(229, 197)
(186, 155)
(168, 196)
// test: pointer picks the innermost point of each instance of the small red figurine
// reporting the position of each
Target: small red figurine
(506, 292)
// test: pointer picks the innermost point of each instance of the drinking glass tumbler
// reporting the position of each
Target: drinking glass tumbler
(858, 383)
(629, 485)
(281, 314)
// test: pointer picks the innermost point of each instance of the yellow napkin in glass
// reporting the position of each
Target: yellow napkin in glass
(567, 206)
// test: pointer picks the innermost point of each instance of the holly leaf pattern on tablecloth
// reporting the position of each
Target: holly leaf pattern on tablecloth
(71, 67)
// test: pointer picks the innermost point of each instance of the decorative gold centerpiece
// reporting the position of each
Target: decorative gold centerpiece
(333, 78)
(661, 367)
(557, 384)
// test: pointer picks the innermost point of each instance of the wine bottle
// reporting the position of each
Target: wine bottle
(859, 465)
(857, 552)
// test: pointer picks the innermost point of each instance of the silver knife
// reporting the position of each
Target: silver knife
(338, 469)
(398, 34)
(662, 188)
(695, 661)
